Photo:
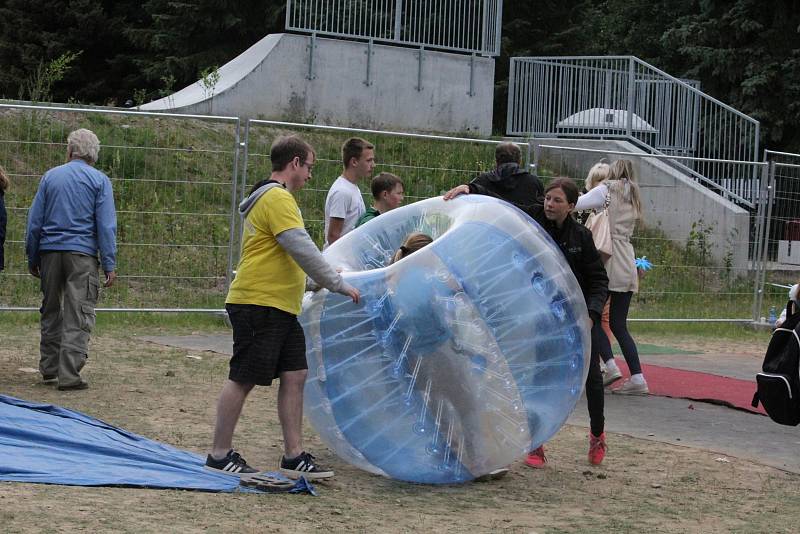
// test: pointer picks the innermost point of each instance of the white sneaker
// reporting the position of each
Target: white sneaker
(611, 375)
(629, 388)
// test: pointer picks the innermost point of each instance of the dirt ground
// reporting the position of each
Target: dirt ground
(161, 393)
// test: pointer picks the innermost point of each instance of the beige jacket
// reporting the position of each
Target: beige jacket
(621, 267)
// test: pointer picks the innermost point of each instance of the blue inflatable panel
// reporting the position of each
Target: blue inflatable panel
(47, 444)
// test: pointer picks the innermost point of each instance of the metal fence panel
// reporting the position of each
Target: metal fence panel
(779, 261)
(429, 165)
(471, 26)
(625, 98)
(173, 178)
(689, 281)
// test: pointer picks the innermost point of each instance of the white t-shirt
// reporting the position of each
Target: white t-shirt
(344, 201)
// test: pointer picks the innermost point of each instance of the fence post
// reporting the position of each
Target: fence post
(498, 27)
(288, 13)
(398, 19)
(631, 89)
(770, 196)
(759, 238)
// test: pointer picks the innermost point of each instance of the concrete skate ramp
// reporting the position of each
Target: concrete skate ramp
(347, 83)
(230, 74)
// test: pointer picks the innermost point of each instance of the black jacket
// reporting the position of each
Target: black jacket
(576, 242)
(3, 222)
(511, 183)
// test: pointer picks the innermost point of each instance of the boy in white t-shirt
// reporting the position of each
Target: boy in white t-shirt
(344, 204)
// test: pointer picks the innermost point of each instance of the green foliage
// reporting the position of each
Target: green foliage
(40, 82)
(209, 77)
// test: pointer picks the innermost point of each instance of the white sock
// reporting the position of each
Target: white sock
(638, 378)
(611, 365)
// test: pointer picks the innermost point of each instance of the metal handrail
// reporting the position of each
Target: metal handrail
(466, 26)
(623, 97)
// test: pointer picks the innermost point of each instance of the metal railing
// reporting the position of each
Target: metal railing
(777, 261)
(429, 165)
(701, 268)
(471, 26)
(174, 195)
(177, 180)
(622, 97)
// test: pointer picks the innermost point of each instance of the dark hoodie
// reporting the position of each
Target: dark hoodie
(511, 183)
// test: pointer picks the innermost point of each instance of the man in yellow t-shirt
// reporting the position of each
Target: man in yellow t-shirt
(263, 303)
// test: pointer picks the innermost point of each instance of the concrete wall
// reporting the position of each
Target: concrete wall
(672, 201)
(270, 81)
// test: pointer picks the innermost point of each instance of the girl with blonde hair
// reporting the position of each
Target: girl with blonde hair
(621, 193)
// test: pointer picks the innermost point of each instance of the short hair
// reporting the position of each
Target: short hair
(413, 242)
(385, 181)
(600, 171)
(507, 153)
(353, 147)
(565, 184)
(83, 144)
(285, 148)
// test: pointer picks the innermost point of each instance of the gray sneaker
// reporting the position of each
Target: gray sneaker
(611, 376)
(629, 388)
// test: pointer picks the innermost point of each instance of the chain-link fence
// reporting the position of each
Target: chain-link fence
(177, 180)
(173, 178)
(778, 265)
(701, 245)
(429, 165)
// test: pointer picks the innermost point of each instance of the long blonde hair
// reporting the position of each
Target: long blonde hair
(622, 170)
(4, 181)
(599, 172)
(413, 242)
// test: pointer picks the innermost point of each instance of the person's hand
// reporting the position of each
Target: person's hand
(351, 292)
(458, 190)
(640, 272)
(34, 270)
(110, 277)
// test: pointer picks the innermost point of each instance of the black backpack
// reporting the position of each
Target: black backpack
(779, 381)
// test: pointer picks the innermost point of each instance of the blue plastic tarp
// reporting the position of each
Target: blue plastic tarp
(47, 444)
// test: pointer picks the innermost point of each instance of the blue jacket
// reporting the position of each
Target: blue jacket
(73, 210)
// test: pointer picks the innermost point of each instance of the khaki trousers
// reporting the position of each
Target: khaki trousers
(70, 287)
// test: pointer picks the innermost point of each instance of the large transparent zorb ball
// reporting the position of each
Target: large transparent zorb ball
(460, 358)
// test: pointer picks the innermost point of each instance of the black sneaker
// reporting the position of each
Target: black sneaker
(49, 379)
(304, 466)
(233, 464)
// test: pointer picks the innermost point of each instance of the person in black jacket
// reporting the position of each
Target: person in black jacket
(4, 183)
(508, 181)
(577, 245)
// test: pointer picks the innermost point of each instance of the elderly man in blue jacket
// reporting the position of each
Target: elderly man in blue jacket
(71, 220)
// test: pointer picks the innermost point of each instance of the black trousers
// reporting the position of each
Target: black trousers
(594, 384)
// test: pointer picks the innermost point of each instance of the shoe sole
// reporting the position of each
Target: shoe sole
(295, 475)
(76, 387)
(631, 393)
(229, 473)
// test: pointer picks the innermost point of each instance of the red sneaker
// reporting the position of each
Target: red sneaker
(597, 448)
(536, 458)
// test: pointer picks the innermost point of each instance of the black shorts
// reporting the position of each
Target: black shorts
(266, 342)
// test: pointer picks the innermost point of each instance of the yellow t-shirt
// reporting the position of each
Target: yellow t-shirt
(266, 274)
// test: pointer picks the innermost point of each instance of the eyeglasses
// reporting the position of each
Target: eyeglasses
(306, 165)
